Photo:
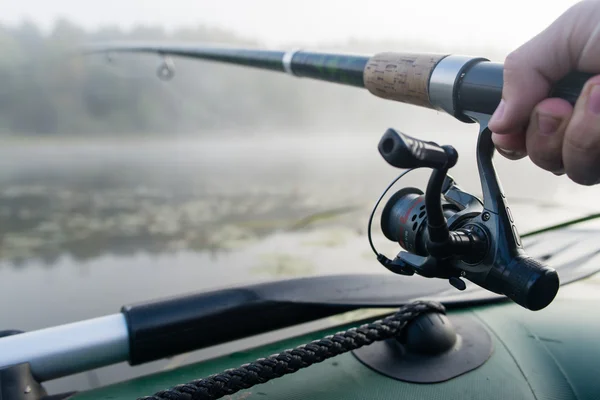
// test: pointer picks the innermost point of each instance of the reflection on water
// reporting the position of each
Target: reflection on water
(46, 222)
(87, 201)
(159, 200)
(87, 227)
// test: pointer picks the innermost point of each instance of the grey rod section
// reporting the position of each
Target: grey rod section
(68, 349)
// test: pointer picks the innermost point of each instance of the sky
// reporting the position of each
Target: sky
(503, 23)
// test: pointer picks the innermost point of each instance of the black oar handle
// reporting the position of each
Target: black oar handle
(164, 328)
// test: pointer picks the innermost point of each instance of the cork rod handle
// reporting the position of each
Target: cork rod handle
(402, 77)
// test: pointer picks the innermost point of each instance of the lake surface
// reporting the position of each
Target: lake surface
(87, 226)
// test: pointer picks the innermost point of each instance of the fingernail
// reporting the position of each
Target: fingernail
(559, 172)
(497, 116)
(511, 154)
(547, 124)
(594, 100)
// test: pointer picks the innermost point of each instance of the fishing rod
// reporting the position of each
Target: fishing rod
(454, 84)
(447, 233)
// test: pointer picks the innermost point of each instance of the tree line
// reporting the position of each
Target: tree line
(47, 89)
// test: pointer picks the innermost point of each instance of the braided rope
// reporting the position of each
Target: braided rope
(289, 361)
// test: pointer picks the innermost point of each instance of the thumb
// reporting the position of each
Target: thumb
(529, 73)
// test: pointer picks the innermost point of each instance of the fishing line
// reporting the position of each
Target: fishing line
(377, 205)
(121, 71)
(165, 73)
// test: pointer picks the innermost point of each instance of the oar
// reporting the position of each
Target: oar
(154, 330)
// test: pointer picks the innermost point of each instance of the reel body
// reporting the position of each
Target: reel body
(450, 234)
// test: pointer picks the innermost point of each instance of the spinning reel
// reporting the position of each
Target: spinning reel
(450, 234)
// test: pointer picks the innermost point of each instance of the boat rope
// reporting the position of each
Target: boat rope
(264, 369)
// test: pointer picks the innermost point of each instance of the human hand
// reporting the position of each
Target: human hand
(555, 135)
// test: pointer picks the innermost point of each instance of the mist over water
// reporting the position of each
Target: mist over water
(88, 226)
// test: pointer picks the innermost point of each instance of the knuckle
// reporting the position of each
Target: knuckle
(512, 67)
(513, 60)
(582, 6)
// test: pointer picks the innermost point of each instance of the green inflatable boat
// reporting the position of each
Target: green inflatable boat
(468, 309)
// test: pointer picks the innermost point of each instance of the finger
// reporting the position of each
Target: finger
(581, 145)
(529, 73)
(510, 146)
(544, 138)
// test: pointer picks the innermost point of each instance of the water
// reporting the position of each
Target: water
(87, 226)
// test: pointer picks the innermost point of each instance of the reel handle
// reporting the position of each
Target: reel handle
(403, 151)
